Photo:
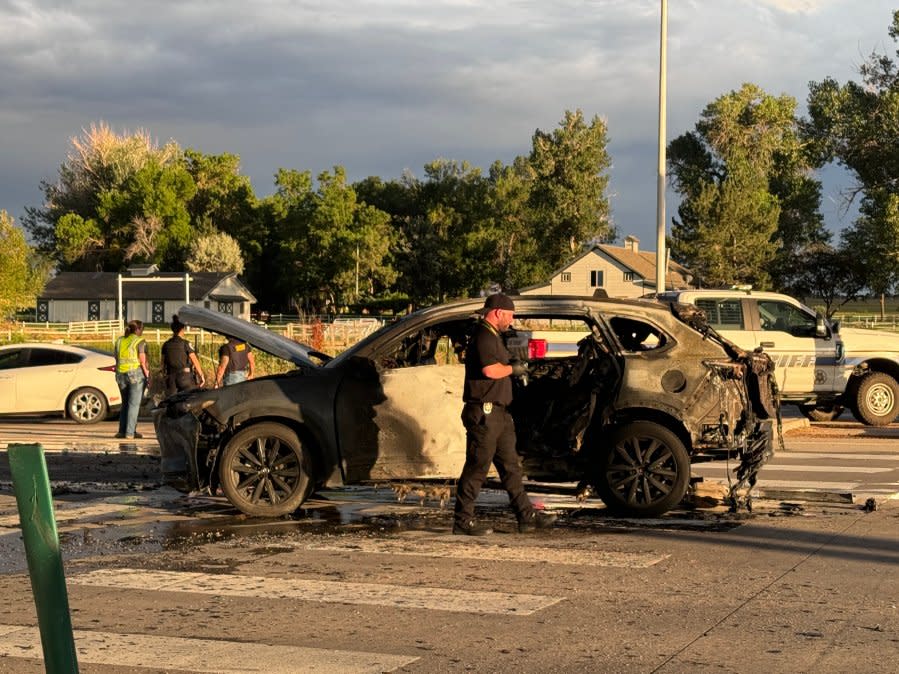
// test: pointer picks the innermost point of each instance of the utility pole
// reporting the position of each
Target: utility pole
(661, 253)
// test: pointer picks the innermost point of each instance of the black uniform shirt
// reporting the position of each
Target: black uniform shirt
(238, 355)
(486, 348)
(176, 354)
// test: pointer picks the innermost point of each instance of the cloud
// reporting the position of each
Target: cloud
(380, 86)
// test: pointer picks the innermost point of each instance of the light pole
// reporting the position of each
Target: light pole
(661, 253)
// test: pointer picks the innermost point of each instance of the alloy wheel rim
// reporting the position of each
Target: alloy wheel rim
(642, 471)
(86, 406)
(266, 470)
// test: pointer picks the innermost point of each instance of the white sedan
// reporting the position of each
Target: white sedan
(46, 378)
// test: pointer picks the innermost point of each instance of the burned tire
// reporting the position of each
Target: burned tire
(643, 470)
(821, 412)
(87, 405)
(875, 399)
(264, 470)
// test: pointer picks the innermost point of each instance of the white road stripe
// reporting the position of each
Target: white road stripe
(130, 447)
(801, 468)
(809, 484)
(374, 594)
(794, 455)
(505, 553)
(66, 512)
(200, 655)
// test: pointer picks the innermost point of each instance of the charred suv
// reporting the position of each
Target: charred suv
(649, 391)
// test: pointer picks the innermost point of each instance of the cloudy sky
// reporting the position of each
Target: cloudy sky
(383, 86)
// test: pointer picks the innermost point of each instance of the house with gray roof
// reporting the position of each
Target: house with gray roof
(620, 271)
(146, 294)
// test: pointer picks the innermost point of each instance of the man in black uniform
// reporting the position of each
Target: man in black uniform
(490, 431)
(180, 362)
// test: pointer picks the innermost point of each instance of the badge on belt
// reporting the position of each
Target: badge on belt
(487, 407)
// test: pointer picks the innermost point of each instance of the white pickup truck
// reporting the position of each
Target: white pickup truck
(820, 367)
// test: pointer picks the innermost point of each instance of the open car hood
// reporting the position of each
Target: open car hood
(258, 337)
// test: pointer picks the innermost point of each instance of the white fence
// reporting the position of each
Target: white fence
(340, 334)
(890, 323)
(77, 330)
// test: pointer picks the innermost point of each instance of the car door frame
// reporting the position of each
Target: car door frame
(803, 369)
(9, 385)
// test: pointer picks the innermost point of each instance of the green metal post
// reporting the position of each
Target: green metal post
(31, 484)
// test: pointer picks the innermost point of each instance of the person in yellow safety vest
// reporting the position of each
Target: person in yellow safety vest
(132, 374)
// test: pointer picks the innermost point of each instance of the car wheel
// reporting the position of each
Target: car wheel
(87, 406)
(821, 412)
(875, 399)
(643, 471)
(264, 470)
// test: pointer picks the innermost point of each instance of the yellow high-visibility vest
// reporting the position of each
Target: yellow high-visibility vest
(126, 353)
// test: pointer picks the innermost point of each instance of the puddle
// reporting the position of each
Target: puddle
(162, 520)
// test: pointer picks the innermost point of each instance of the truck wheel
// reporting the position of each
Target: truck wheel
(827, 412)
(264, 470)
(876, 398)
(643, 470)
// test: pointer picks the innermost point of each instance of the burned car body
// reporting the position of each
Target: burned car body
(647, 390)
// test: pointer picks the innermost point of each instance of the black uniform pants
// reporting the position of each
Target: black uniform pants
(179, 381)
(490, 439)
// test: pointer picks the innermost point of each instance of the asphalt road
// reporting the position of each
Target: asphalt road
(360, 581)
(841, 458)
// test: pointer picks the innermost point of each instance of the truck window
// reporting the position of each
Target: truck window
(724, 314)
(784, 317)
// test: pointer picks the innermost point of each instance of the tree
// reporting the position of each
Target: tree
(224, 202)
(873, 240)
(856, 125)
(216, 252)
(22, 272)
(460, 231)
(515, 227)
(442, 247)
(328, 241)
(732, 223)
(748, 198)
(569, 167)
(117, 198)
(835, 276)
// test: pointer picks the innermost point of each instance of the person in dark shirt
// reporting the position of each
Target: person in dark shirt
(180, 363)
(489, 428)
(236, 363)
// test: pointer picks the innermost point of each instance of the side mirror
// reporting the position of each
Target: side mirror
(820, 326)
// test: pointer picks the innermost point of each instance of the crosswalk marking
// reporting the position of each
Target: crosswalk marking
(801, 455)
(65, 512)
(501, 553)
(859, 474)
(200, 655)
(827, 486)
(375, 594)
(802, 468)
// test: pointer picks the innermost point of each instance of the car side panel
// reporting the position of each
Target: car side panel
(301, 402)
(43, 388)
(8, 391)
(402, 423)
(90, 375)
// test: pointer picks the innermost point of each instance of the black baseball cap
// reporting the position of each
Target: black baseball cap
(499, 301)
